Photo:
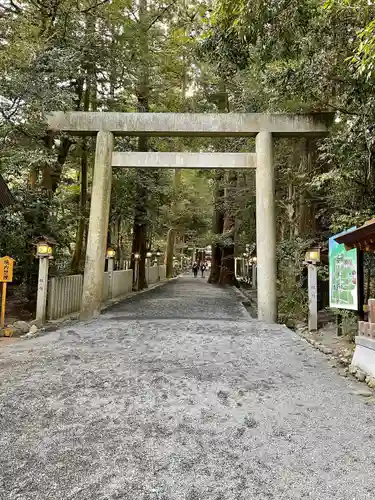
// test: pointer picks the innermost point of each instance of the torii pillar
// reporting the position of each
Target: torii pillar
(93, 282)
(266, 228)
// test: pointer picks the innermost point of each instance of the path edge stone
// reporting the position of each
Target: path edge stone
(245, 302)
(339, 358)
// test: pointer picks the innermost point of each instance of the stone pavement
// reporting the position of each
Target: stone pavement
(177, 394)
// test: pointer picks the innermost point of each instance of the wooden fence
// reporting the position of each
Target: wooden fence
(64, 296)
(65, 293)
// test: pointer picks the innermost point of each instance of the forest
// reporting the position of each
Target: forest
(248, 56)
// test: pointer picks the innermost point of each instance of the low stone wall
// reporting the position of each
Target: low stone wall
(366, 329)
(364, 356)
(153, 274)
(122, 283)
(363, 362)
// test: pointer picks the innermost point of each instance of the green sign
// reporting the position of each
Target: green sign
(343, 275)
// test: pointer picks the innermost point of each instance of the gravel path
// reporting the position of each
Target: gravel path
(178, 395)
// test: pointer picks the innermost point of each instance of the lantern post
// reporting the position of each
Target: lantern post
(136, 269)
(158, 253)
(111, 264)
(44, 254)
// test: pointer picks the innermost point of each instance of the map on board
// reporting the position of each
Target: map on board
(343, 276)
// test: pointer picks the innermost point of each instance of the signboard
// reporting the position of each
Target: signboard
(6, 276)
(6, 269)
(343, 275)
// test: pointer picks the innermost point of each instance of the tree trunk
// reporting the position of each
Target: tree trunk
(33, 177)
(80, 246)
(139, 246)
(140, 209)
(218, 213)
(217, 228)
(307, 211)
(171, 239)
(140, 235)
(51, 175)
(78, 250)
(227, 270)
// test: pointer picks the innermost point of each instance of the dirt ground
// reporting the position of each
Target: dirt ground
(177, 394)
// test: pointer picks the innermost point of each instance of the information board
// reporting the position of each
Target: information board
(6, 269)
(343, 275)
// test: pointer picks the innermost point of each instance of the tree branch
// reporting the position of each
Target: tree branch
(97, 5)
(160, 15)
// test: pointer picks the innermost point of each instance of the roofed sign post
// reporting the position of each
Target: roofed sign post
(264, 126)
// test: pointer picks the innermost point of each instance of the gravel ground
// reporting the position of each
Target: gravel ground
(178, 395)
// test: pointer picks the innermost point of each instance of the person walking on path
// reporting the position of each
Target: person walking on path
(203, 268)
(195, 269)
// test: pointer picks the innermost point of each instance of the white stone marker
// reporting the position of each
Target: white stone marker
(312, 278)
(41, 301)
(111, 263)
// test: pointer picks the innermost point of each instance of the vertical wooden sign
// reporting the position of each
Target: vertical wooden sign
(6, 276)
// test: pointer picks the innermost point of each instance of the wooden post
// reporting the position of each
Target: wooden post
(3, 304)
(313, 297)
(338, 325)
(41, 301)
(360, 284)
(6, 276)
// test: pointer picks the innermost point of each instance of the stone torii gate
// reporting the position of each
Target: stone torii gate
(106, 125)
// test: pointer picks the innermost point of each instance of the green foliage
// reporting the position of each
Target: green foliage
(91, 56)
(303, 56)
(363, 58)
(292, 280)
